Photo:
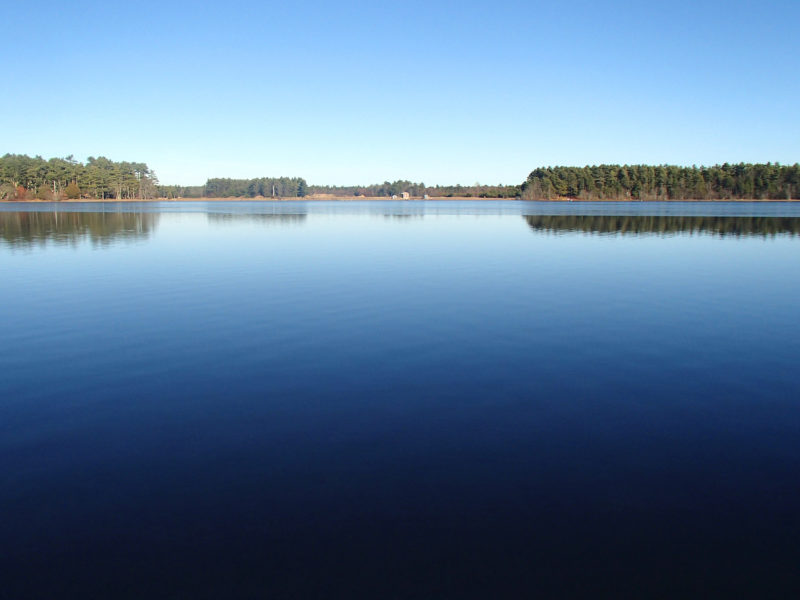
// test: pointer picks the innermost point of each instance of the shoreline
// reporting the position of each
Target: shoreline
(381, 199)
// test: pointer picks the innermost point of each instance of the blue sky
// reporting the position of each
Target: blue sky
(440, 92)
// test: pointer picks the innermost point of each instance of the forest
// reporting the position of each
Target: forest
(279, 187)
(23, 177)
(387, 189)
(26, 178)
(770, 181)
(418, 190)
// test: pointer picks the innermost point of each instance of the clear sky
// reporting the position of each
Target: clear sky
(354, 92)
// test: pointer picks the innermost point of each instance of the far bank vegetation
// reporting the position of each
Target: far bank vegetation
(770, 181)
(26, 178)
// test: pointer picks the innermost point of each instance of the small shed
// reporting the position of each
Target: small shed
(406, 195)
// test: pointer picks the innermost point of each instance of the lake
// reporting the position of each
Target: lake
(399, 399)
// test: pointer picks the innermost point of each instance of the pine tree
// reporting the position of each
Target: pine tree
(73, 191)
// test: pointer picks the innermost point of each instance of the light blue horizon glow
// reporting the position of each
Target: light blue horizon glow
(353, 93)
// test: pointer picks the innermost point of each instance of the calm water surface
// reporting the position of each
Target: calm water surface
(399, 400)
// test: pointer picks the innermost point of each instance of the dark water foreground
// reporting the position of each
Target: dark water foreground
(399, 400)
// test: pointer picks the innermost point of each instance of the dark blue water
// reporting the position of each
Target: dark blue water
(399, 400)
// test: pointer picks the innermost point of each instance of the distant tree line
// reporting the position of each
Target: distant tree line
(387, 189)
(395, 188)
(642, 182)
(280, 187)
(474, 191)
(23, 177)
(296, 187)
(181, 191)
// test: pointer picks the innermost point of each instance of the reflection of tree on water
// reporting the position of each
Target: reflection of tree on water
(260, 218)
(404, 217)
(26, 229)
(665, 225)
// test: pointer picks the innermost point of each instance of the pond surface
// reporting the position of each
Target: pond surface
(399, 399)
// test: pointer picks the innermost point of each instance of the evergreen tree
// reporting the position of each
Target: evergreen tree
(73, 191)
